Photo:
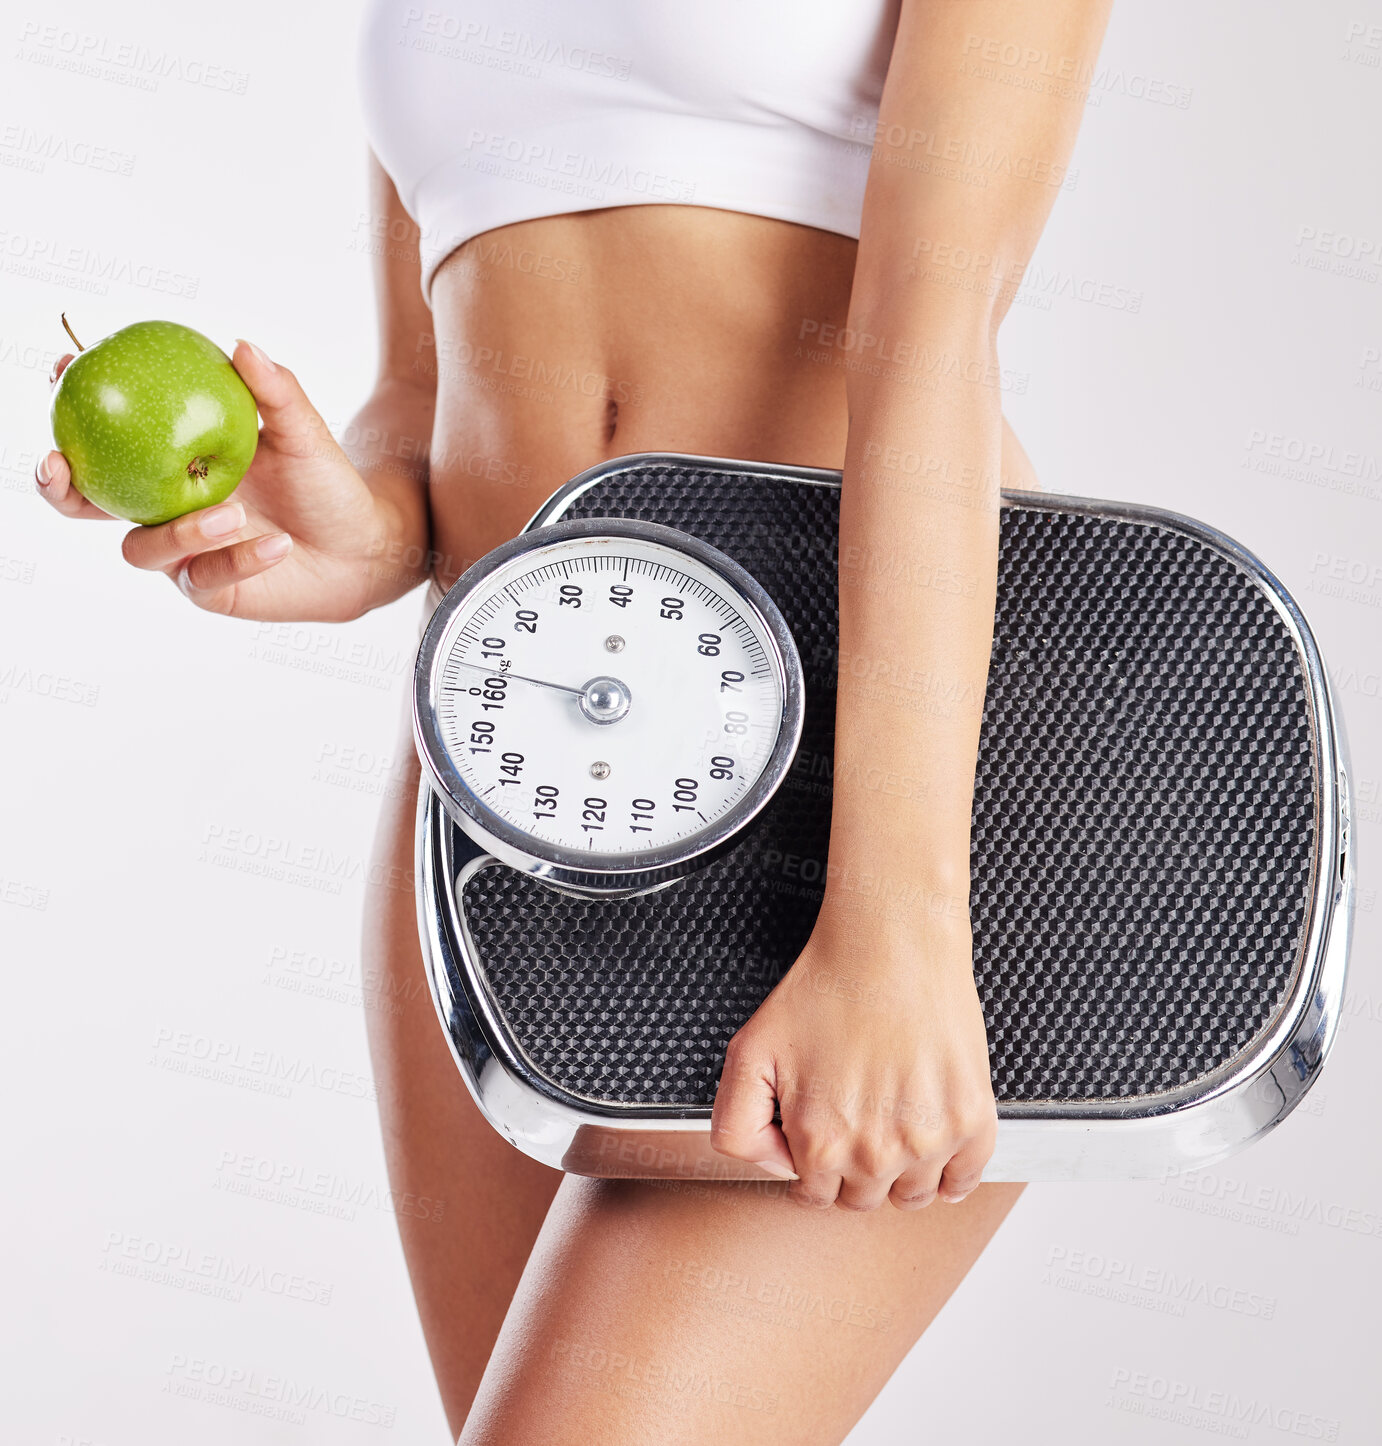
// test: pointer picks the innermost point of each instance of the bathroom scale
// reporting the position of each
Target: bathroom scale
(625, 721)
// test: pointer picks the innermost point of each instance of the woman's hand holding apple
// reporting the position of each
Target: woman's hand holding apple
(298, 539)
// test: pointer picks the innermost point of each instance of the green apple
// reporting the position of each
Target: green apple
(154, 421)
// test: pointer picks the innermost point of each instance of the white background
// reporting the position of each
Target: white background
(1236, 218)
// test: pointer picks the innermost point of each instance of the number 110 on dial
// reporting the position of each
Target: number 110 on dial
(607, 702)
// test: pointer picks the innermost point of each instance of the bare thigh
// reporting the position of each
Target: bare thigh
(469, 1204)
(720, 1313)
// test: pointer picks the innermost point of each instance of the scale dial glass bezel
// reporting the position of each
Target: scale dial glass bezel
(580, 871)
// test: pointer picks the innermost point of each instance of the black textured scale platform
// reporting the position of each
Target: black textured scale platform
(1142, 832)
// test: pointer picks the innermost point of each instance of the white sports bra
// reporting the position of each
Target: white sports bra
(495, 111)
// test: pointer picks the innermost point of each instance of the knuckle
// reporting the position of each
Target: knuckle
(871, 1156)
(978, 1115)
(70, 503)
(961, 1186)
(913, 1147)
(738, 1065)
(979, 1140)
(925, 1144)
(182, 533)
(148, 547)
(730, 1146)
(911, 1200)
(726, 1140)
(813, 1199)
(816, 1149)
(203, 573)
(966, 1170)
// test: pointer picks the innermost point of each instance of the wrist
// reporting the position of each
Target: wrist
(394, 557)
(893, 867)
(877, 909)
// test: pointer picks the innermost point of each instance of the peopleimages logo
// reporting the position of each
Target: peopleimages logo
(505, 48)
(40, 683)
(86, 52)
(539, 159)
(1214, 1409)
(31, 150)
(1270, 1207)
(1314, 462)
(1159, 1288)
(204, 1272)
(41, 258)
(320, 1191)
(1026, 67)
(1338, 253)
(243, 1388)
(978, 159)
(227, 1061)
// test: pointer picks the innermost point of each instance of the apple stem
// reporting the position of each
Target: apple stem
(71, 333)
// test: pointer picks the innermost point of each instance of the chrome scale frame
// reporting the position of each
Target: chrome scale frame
(1147, 1136)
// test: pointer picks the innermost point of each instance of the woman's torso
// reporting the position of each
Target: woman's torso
(619, 325)
(682, 331)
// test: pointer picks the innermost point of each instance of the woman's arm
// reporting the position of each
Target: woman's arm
(873, 1044)
(389, 439)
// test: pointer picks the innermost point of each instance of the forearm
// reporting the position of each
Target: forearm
(388, 441)
(917, 580)
(941, 251)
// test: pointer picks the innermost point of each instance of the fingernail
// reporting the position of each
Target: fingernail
(954, 1199)
(780, 1172)
(258, 355)
(221, 520)
(41, 472)
(268, 548)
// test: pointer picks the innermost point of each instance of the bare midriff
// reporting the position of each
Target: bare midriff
(564, 341)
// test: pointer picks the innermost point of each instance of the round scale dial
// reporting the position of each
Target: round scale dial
(606, 703)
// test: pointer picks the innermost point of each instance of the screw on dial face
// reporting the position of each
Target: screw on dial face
(559, 751)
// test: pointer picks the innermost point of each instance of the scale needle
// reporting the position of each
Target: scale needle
(499, 673)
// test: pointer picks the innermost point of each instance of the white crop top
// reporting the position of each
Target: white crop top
(488, 112)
